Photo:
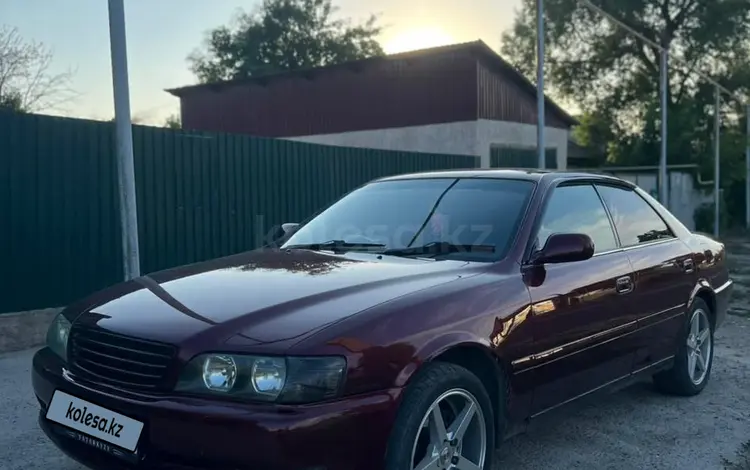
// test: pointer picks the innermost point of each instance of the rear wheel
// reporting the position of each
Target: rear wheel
(692, 365)
(445, 422)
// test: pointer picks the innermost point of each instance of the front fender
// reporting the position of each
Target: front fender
(439, 345)
(478, 355)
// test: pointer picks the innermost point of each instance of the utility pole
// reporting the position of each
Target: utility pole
(663, 176)
(747, 169)
(124, 137)
(540, 83)
(717, 169)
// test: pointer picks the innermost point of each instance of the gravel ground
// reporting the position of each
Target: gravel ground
(629, 430)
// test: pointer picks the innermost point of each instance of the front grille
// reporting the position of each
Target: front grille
(118, 360)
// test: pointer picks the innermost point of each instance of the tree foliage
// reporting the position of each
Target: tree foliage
(173, 121)
(613, 76)
(26, 82)
(283, 35)
(11, 101)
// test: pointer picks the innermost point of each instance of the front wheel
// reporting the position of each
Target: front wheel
(445, 422)
(692, 365)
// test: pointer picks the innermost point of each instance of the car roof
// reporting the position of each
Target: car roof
(528, 174)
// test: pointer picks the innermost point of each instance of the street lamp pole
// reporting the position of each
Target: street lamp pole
(124, 138)
(540, 83)
(663, 90)
(717, 160)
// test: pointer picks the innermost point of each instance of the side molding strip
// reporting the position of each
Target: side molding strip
(723, 287)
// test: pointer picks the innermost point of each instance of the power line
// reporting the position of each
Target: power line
(658, 46)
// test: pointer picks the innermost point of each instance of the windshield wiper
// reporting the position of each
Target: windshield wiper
(334, 245)
(439, 248)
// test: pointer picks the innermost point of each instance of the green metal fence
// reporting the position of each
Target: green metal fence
(200, 196)
(512, 157)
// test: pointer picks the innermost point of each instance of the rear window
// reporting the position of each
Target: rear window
(635, 220)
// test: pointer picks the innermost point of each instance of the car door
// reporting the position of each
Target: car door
(581, 316)
(664, 271)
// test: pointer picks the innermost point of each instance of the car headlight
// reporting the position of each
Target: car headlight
(260, 378)
(57, 335)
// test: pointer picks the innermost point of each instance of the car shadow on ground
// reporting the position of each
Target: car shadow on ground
(637, 428)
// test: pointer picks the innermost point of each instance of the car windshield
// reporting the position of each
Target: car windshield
(475, 217)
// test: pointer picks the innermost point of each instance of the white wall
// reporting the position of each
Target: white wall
(453, 138)
(463, 138)
(684, 196)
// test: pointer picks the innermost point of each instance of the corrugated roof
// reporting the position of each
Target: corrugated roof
(479, 48)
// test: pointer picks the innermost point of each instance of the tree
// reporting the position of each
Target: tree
(283, 35)
(26, 83)
(11, 101)
(614, 76)
(173, 121)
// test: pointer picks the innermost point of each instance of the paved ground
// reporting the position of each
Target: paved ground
(630, 430)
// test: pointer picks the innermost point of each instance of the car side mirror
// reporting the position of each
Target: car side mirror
(279, 233)
(565, 248)
(289, 228)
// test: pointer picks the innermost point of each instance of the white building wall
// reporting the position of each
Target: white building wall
(684, 196)
(458, 138)
(462, 138)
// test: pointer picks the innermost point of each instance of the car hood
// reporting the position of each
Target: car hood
(263, 296)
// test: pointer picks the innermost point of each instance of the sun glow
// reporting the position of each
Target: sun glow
(415, 39)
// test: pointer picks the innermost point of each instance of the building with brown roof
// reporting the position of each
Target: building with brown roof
(459, 99)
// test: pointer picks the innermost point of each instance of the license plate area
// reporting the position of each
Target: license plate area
(94, 425)
(84, 440)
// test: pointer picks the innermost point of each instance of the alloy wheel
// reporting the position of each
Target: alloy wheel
(699, 346)
(452, 434)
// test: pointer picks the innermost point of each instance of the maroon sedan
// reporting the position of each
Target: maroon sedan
(411, 325)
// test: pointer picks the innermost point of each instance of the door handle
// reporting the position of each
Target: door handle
(624, 285)
(688, 265)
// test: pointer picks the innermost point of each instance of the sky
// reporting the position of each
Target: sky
(162, 33)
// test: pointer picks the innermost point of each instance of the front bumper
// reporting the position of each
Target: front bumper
(189, 433)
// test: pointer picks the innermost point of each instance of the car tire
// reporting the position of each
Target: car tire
(452, 391)
(689, 373)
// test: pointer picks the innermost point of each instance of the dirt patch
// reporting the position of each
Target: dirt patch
(741, 461)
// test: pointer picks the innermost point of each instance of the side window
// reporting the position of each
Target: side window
(577, 209)
(635, 220)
